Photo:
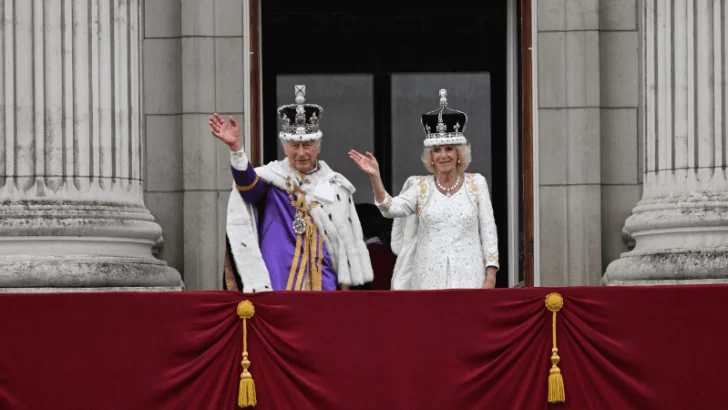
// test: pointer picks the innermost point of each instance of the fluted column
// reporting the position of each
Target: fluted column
(71, 173)
(680, 226)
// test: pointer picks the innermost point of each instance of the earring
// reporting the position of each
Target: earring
(458, 161)
(432, 163)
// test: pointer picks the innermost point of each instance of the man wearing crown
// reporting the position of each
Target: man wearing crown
(291, 224)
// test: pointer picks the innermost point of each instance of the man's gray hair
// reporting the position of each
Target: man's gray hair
(284, 142)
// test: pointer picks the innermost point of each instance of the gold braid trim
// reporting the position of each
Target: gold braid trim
(242, 188)
(554, 303)
(246, 394)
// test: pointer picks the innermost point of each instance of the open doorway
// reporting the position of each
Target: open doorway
(376, 66)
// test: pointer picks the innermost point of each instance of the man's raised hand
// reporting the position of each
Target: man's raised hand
(227, 132)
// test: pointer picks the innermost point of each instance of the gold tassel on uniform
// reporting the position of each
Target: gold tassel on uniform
(246, 395)
(554, 303)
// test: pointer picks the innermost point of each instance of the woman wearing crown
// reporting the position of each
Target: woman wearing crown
(292, 224)
(444, 233)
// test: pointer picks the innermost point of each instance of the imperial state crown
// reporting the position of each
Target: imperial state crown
(300, 121)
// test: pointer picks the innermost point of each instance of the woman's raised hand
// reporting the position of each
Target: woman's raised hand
(366, 163)
(229, 133)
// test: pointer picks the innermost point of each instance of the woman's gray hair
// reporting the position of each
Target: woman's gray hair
(464, 155)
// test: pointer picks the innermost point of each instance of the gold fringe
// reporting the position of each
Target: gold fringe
(557, 394)
(246, 394)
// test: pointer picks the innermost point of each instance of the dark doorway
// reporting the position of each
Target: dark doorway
(384, 46)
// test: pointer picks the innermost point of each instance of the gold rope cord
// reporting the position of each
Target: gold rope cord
(557, 394)
(246, 393)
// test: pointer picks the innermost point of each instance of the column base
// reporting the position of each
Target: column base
(668, 268)
(679, 239)
(93, 273)
(75, 245)
(90, 290)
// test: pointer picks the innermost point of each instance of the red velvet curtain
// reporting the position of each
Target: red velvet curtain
(621, 348)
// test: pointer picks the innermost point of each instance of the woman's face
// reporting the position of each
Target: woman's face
(445, 158)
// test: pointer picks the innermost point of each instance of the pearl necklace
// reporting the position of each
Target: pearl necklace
(447, 190)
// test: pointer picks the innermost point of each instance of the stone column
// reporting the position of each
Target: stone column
(71, 180)
(680, 226)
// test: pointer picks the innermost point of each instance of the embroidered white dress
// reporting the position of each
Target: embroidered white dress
(441, 242)
(448, 254)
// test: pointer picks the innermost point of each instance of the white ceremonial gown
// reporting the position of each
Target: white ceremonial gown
(442, 242)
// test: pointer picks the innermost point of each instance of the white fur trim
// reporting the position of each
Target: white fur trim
(431, 142)
(242, 232)
(286, 136)
(337, 222)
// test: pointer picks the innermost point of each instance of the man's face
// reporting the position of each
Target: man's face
(302, 155)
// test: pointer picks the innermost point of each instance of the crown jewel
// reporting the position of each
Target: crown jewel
(448, 124)
(300, 121)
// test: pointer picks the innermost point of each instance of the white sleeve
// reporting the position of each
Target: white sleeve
(239, 160)
(402, 205)
(488, 230)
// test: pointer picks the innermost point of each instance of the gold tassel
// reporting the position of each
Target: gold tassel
(554, 303)
(246, 395)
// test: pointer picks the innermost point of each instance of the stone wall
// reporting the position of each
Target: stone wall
(590, 151)
(621, 143)
(193, 67)
(569, 132)
(163, 124)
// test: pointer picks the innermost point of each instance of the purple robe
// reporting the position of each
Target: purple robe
(275, 233)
